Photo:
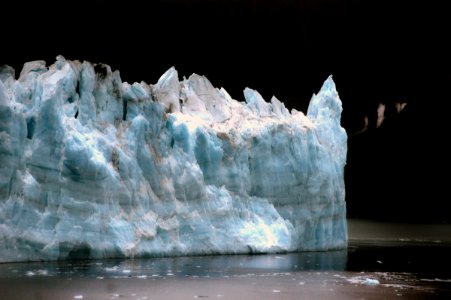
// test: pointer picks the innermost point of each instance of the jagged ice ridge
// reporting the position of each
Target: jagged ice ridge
(93, 167)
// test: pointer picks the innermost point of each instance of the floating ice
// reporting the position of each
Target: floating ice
(369, 281)
(91, 167)
(363, 280)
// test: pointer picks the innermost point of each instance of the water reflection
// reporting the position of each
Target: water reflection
(358, 272)
(209, 266)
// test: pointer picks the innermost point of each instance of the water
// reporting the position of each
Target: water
(372, 267)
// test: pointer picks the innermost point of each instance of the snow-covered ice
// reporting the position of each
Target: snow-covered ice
(93, 167)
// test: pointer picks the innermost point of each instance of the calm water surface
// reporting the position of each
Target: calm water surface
(398, 265)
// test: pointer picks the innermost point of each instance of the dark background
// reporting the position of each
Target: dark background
(377, 52)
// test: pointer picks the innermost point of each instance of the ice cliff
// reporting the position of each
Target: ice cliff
(91, 166)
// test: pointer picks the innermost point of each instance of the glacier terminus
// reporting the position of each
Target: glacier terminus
(93, 167)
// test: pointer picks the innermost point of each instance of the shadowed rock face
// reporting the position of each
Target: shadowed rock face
(94, 167)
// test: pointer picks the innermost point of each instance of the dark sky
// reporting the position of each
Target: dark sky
(377, 51)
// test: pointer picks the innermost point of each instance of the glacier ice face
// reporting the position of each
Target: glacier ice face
(91, 166)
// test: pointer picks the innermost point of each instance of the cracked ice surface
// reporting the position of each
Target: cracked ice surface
(91, 166)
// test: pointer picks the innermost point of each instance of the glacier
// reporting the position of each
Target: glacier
(93, 167)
